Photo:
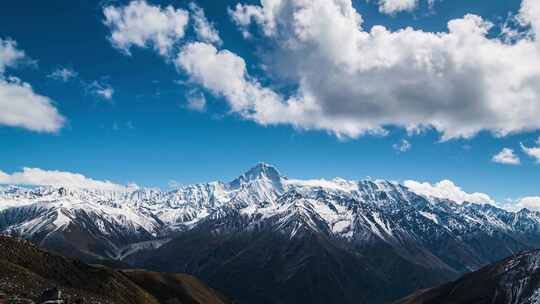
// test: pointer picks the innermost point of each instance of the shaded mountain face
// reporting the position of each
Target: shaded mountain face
(26, 270)
(264, 267)
(277, 231)
(515, 280)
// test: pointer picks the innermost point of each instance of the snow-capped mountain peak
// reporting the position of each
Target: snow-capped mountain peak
(261, 171)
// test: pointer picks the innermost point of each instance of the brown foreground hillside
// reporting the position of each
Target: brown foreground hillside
(26, 270)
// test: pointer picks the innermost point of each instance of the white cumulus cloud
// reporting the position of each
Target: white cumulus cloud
(507, 157)
(353, 80)
(531, 203)
(204, 30)
(391, 7)
(63, 74)
(533, 152)
(224, 74)
(39, 177)
(244, 15)
(10, 55)
(446, 189)
(106, 92)
(403, 146)
(143, 25)
(101, 90)
(20, 106)
(196, 101)
(528, 202)
(530, 15)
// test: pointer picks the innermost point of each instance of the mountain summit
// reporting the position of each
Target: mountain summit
(261, 171)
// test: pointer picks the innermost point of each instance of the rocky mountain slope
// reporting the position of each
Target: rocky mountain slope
(264, 267)
(280, 232)
(26, 270)
(515, 280)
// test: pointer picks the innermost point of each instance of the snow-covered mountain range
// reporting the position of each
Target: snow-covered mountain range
(112, 224)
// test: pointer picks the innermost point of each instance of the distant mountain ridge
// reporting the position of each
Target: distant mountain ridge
(357, 221)
(514, 280)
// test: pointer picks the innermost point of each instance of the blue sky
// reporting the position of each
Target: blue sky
(146, 133)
